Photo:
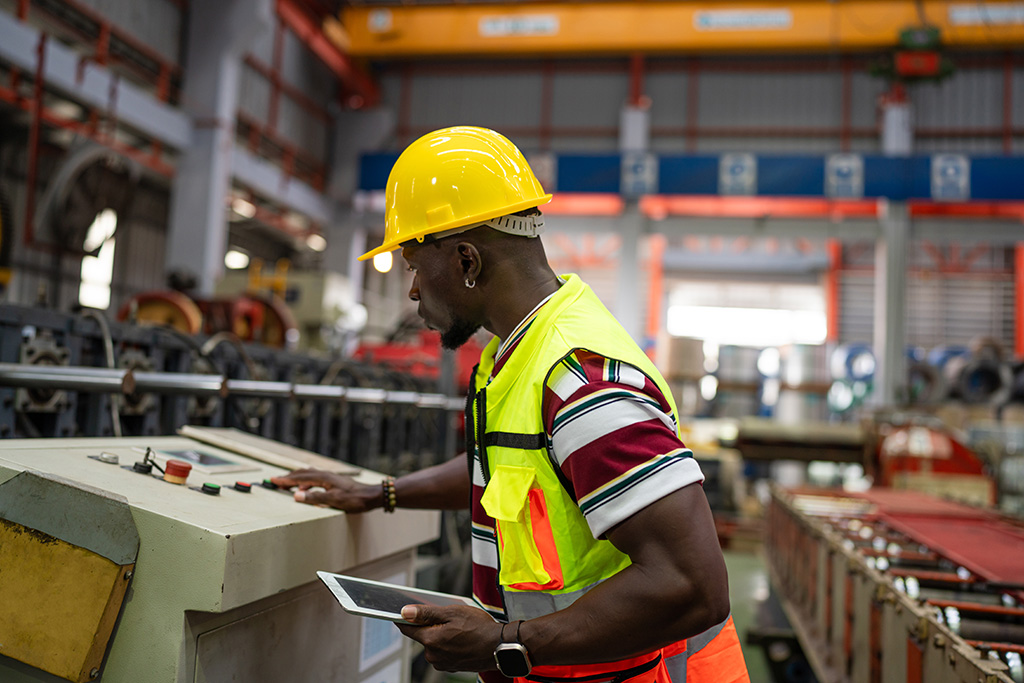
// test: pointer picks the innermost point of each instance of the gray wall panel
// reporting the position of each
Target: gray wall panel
(589, 143)
(970, 98)
(588, 99)
(155, 23)
(775, 145)
(254, 94)
(770, 99)
(1017, 97)
(304, 130)
(669, 144)
(261, 46)
(941, 308)
(801, 95)
(491, 100)
(390, 84)
(302, 69)
(668, 98)
(981, 146)
(865, 90)
(865, 145)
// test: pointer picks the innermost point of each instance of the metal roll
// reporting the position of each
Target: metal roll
(978, 629)
(366, 395)
(981, 380)
(926, 384)
(87, 380)
(253, 388)
(318, 392)
(403, 397)
(192, 384)
(103, 380)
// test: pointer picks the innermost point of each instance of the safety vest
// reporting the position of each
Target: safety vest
(547, 555)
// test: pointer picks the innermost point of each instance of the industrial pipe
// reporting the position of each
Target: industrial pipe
(102, 380)
(94, 380)
(191, 384)
(253, 388)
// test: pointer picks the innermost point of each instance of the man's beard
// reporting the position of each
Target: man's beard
(458, 334)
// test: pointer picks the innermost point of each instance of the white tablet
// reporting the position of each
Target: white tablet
(379, 600)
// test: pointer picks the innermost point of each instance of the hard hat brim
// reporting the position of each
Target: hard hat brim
(393, 244)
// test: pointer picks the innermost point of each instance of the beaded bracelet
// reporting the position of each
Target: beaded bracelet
(390, 497)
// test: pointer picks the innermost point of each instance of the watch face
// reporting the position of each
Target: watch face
(512, 660)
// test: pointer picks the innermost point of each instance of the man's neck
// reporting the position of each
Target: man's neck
(515, 302)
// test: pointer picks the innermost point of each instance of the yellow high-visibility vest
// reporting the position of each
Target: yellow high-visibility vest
(547, 554)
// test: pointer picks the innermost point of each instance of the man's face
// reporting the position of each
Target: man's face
(437, 288)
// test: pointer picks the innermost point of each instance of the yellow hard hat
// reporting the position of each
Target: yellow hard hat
(454, 178)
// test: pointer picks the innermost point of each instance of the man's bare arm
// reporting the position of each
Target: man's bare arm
(441, 487)
(675, 588)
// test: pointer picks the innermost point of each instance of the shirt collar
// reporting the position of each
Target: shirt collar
(508, 343)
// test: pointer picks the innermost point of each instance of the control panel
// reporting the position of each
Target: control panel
(225, 579)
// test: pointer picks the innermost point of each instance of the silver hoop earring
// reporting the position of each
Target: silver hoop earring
(469, 284)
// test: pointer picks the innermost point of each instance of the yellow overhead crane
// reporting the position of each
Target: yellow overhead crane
(568, 28)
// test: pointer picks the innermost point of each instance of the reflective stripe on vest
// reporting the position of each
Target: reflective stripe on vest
(732, 668)
(531, 604)
(646, 668)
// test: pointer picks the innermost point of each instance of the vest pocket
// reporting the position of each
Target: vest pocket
(527, 551)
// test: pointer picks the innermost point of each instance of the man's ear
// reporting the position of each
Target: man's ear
(469, 260)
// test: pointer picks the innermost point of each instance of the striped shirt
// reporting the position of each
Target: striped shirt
(614, 436)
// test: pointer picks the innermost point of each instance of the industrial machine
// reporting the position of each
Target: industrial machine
(65, 375)
(174, 559)
(890, 585)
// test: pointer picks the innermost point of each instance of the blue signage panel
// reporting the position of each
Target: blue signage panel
(374, 168)
(897, 178)
(688, 175)
(997, 178)
(791, 176)
(589, 173)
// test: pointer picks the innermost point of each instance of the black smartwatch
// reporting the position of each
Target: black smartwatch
(512, 658)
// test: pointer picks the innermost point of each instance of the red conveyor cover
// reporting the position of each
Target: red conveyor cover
(979, 540)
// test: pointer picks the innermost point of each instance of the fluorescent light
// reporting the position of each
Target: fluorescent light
(243, 207)
(236, 260)
(383, 262)
(708, 387)
(756, 327)
(97, 272)
(316, 242)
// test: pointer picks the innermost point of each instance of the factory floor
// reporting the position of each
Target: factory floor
(748, 585)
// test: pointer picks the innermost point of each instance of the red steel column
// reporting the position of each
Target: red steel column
(1018, 279)
(655, 286)
(832, 289)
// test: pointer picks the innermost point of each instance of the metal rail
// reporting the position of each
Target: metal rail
(103, 380)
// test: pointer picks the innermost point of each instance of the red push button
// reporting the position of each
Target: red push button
(176, 471)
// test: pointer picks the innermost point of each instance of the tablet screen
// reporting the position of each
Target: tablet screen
(384, 600)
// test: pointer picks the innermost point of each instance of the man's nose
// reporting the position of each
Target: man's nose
(414, 289)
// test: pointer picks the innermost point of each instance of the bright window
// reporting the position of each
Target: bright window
(98, 270)
(748, 314)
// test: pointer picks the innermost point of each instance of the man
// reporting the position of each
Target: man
(593, 544)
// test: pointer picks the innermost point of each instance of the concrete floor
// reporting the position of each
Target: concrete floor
(748, 584)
